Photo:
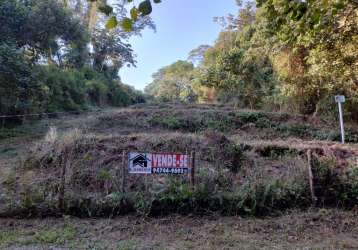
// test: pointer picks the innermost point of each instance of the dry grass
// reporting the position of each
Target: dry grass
(322, 229)
(254, 153)
(266, 173)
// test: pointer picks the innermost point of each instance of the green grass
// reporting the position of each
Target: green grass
(127, 245)
(8, 237)
(45, 236)
(6, 133)
(55, 236)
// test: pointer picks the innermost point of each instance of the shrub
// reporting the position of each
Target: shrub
(335, 186)
(251, 117)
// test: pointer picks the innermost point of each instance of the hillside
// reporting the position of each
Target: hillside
(249, 163)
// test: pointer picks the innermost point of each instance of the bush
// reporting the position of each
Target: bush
(335, 186)
(77, 89)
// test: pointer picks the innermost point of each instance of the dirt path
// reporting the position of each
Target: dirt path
(324, 229)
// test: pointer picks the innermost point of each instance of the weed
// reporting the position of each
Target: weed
(251, 117)
(127, 245)
(6, 133)
(275, 151)
(326, 135)
(165, 121)
(298, 130)
(8, 237)
(55, 236)
(10, 181)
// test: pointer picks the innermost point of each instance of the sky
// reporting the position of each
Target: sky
(182, 25)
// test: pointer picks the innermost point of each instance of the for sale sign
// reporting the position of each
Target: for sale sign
(156, 163)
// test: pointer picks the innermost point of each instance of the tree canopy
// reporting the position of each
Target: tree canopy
(291, 55)
(52, 59)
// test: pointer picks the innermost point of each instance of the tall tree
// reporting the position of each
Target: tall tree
(173, 82)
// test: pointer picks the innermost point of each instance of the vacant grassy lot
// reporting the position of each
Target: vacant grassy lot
(250, 163)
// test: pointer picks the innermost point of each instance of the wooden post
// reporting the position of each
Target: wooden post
(61, 197)
(310, 176)
(192, 175)
(124, 172)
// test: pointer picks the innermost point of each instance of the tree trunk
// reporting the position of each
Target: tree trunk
(92, 15)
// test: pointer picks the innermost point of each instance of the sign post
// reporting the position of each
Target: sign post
(192, 176)
(341, 99)
(124, 170)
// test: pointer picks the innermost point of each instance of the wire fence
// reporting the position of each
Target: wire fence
(51, 113)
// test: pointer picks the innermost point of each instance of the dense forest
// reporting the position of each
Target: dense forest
(277, 55)
(58, 55)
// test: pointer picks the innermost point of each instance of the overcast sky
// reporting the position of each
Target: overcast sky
(182, 25)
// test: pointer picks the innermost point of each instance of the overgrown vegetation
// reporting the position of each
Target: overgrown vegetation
(232, 177)
(46, 64)
(290, 56)
(58, 56)
(198, 119)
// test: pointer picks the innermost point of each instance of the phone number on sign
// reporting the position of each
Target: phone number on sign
(170, 170)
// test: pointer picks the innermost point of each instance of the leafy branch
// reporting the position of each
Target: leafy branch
(144, 8)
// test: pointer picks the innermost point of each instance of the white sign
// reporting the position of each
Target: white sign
(152, 163)
(340, 98)
(140, 163)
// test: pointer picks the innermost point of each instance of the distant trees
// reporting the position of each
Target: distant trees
(173, 83)
(197, 55)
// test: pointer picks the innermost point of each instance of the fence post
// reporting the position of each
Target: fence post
(61, 198)
(124, 171)
(192, 175)
(310, 176)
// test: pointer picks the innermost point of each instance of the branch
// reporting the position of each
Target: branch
(354, 2)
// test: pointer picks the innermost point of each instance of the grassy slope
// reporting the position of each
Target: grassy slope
(264, 135)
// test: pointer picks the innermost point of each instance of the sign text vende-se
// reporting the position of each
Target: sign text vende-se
(153, 163)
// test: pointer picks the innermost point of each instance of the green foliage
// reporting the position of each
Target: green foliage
(143, 9)
(127, 245)
(39, 31)
(111, 23)
(195, 123)
(286, 55)
(257, 197)
(55, 236)
(17, 86)
(7, 237)
(334, 187)
(173, 83)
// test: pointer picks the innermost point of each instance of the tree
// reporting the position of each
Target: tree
(197, 55)
(245, 17)
(110, 53)
(17, 87)
(317, 39)
(41, 27)
(46, 64)
(173, 83)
